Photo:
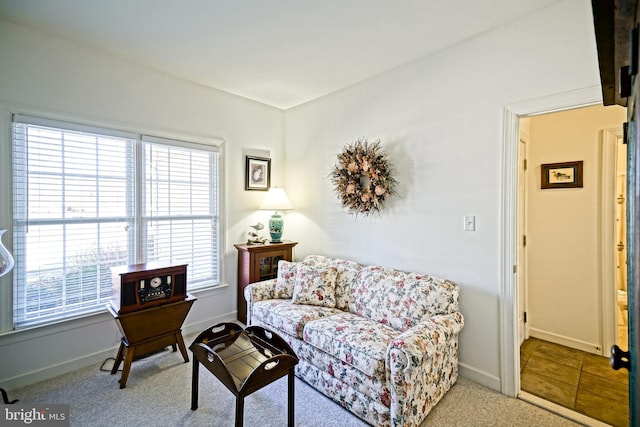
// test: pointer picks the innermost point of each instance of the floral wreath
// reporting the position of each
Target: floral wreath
(362, 177)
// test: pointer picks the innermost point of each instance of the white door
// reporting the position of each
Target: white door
(621, 247)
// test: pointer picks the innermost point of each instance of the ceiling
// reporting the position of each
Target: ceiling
(279, 52)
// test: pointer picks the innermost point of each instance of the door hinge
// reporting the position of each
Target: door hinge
(524, 164)
(515, 269)
(625, 82)
(525, 317)
(524, 240)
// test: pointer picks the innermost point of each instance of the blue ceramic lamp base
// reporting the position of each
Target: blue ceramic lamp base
(276, 223)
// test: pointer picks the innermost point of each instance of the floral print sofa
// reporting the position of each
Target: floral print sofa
(382, 343)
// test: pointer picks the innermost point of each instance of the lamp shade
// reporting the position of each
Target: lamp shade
(276, 200)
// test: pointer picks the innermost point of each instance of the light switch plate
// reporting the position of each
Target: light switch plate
(469, 223)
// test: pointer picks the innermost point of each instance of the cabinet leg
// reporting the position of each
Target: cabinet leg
(116, 363)
(183, 349)
(128, 359)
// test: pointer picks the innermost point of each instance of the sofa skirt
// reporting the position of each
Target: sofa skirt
(350, 399)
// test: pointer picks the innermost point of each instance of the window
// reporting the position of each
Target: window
(86, 199)
(179, 218)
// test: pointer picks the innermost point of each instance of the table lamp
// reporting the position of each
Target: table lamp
(276, 200)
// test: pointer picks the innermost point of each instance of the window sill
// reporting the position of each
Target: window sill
(64, 325)
(37, 331)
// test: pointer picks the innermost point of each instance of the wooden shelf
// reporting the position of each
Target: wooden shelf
(257, 263)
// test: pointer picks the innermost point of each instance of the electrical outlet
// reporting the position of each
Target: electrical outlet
(469, 223)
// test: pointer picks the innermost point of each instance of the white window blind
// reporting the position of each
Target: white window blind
(180, 213)
(86, 199)
(73, 217)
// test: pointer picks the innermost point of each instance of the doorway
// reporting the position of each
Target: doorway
(569, 231)
(569, 300)
(508, 325)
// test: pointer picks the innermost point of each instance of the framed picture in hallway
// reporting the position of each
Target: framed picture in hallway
(257, 173)
(561, 175)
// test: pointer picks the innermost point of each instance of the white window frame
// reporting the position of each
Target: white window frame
(212, 144)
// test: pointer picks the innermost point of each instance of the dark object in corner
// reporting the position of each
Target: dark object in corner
(613, 22)
(5, 398)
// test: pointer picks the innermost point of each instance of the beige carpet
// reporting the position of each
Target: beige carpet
(158, 392)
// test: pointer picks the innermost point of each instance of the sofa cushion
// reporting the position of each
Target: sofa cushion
(284, 316)
(401, 299)
(347, 273)
(315, 285)
(286, 278)
(355, 340)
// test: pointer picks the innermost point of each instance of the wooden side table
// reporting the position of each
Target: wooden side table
(256, 263)
(149, 330)
(244, 361)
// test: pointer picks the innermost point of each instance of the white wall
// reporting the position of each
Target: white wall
(563, 261)
(440, 120)
(47, 76)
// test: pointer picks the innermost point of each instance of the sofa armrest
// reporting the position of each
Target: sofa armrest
(258, 291)
(422, 365)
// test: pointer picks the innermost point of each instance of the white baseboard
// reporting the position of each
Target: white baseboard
(53, 371)
(566, 341)
(86, 360)
(478, 376)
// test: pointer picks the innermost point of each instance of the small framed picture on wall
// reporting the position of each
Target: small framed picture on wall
(257, 173)
(561, 175)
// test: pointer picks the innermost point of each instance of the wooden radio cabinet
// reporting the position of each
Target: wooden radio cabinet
(142, 286)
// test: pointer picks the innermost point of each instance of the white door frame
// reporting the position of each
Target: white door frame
(608, 271)
(509, 346)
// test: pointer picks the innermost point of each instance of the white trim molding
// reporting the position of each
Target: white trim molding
(509, 345)
(611, 138)
(479, 376)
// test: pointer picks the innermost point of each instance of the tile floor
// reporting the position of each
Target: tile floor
(580, 381)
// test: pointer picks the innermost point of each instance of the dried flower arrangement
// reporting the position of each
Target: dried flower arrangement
(362, 177)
